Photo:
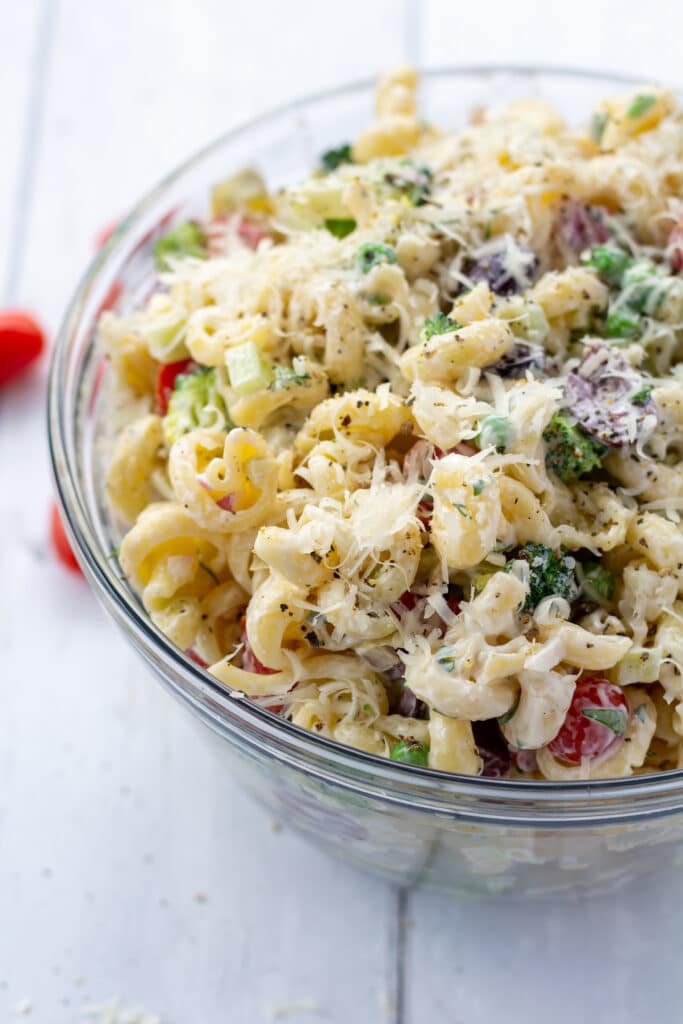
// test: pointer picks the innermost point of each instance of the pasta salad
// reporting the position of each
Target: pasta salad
(398, 447)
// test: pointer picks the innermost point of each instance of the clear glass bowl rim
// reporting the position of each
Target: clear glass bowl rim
(556, 805)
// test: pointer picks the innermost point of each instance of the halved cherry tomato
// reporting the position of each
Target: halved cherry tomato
(60, 541)
(21, 342)
(166, 381)
(595, 723)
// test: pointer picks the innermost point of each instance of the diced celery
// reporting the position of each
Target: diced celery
(533, 324)
(248, 368)
(640, 665)
(165, 337)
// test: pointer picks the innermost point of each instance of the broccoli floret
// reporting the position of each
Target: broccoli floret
(570, 452)
(195, 402)
(186, 239)
(331, 159)
(610, 261)
(551, 574)
(439, 324)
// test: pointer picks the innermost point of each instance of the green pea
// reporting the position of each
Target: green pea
(410, 752)
(621, 323)
(610, 262)
(494, 431)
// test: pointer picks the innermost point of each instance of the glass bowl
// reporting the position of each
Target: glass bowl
(410, 825)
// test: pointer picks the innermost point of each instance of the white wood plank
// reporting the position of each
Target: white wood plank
(21, 51)
(614, 35)
(601, 960)
(113, 812)
(131, 861)
(136, 88)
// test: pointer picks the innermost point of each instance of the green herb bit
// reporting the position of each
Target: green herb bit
(445, 659)
(378, 300)
(410, 752)
(570, 452)
(372, 254)
(113, 554)
(287, 377)
(439, 324)
(413, 180)
(551, 574)
(615, 719)
(186, 239)
(331, 159)
(509, 715)
(621, 323)
(640, 105)
(477, 487)
(340, 227)
(597, 583)
(642, 395)
(462, 509)
(641, 713)
(494, 432)
(610, 261)
(597, 126)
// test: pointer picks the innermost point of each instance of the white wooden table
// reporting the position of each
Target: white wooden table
(126, 870)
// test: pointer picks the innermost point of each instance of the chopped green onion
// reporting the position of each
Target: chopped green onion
(640, 105)
(340, 227)
(462, 509)
(248, 368)
(372, 254)
(598, 124)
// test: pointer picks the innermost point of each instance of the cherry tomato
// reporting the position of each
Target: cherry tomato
(166, 381)
(60, 541)
(21, 342)
(453, 600)
(409, 600)
(595, 723)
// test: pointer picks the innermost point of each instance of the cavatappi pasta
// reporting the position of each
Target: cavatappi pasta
(402, 447)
